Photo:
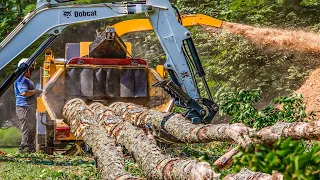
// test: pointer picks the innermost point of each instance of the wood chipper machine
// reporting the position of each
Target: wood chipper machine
(98, 71)
(102, 71)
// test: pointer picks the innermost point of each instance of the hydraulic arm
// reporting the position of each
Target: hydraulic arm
(183, 63)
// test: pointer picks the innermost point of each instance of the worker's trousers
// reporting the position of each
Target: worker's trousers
(27, 119)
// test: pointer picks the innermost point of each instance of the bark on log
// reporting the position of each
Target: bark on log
(246, 174)
(147, 154)
(181, 128)
(296, 130)
(109, 159)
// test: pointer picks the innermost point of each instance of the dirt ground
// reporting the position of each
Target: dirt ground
(310, 91)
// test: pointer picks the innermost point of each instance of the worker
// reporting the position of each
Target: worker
(25, 93)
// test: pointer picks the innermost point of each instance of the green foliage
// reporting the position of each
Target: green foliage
(9, 150)
(295, 13)
(11, 13)
(13, 170)
(231, 62)
(45, 159)
(10, 137)
(288, 157)
(208, 152)
(241, 106)
(42, 166)
(131, 167)
(89, 172)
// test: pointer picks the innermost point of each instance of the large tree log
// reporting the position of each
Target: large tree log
(109, 159)
(181, 128)
(148, 155)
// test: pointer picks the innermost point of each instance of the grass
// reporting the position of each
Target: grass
(24, 168)
(33, 166)
(17, 171)
(10, 137)
(9, 150)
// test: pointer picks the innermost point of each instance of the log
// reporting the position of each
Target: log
(185, 131)
(246, 174)
(98, 124)
(109, 159)
(296, 130)
(147, 154)
(181, 128)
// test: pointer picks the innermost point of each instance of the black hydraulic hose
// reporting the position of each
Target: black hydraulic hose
(195, 57)
(178, 13)
(174, 77)
(20, 71)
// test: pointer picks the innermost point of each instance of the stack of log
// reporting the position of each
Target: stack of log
(103, 127)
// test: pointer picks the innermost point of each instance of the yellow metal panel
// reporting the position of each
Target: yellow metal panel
(207, 20)
(60, 67)
(84, 48)
(129, 48)
(136, 25)
(162, 71)
(49, 67)
(40, 106)
(157, 95)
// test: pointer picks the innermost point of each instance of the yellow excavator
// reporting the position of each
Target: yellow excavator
(103, 70)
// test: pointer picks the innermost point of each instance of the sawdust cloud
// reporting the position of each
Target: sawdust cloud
(293, 40)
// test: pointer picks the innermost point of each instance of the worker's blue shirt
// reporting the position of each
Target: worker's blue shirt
(20, 87)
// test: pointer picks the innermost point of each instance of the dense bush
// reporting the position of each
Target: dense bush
(285, 13)
(241, 107)
(288, 157)
(293, 159)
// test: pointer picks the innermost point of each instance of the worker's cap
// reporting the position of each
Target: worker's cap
(24, 60)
